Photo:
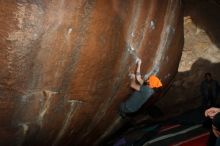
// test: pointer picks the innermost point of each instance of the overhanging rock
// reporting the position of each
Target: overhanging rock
(65, 64)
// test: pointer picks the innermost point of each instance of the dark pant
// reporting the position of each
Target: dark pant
(212, 139)
(208, 102)
(217, 142)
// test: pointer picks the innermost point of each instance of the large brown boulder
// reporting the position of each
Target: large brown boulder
(64, 64)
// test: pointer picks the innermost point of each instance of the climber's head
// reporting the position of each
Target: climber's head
(208, 76)
(154, 82)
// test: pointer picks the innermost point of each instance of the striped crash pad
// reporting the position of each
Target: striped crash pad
(180, 135)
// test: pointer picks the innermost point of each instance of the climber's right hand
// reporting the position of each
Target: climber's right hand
(138, 61)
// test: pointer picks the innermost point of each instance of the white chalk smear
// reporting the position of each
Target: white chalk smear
(70, 30)
(152, 24)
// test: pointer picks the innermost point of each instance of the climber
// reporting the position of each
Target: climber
(143, 89)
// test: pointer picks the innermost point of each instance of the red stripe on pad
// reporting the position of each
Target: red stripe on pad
(200, 140)
(168, 127)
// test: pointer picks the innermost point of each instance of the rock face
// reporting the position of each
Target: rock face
(201, 54)
(65, 64)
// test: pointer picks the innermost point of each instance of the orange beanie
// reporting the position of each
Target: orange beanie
(154, 82)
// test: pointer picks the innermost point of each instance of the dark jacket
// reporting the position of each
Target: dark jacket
(204, 89)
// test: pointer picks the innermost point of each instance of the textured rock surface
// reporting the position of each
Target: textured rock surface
(65, 64)
(201, 54)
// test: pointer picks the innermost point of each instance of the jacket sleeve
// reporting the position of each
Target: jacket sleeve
(217, 87)
(202, 88)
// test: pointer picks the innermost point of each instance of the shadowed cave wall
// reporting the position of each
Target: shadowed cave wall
(201, 54)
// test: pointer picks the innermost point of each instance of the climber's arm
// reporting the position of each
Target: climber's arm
(138, 73)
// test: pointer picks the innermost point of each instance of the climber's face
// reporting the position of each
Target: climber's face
(208, 77)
